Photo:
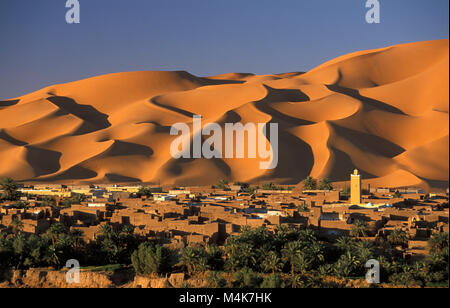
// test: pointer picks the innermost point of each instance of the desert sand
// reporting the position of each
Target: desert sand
(382, 111)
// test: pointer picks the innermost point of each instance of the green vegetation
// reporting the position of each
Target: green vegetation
(194, 260)
(287, 257)
(273, 281)
(21, 205)
(359, 228)
(48, 201)
(75, 199)
(10, 189)
(325, 184)
(398, 195)
(438, 243)
(104, 268)
(216, 280)
(310, 183)
(247, 278)
(150, 258)
(243, 185)
(16, 225)
(272, 186)
(272, 263)
(60, 244)
(303, 208)
(398, 237)
(251, 190)
(223, 184)
(144, 192)
(433, 271)
(269, 186)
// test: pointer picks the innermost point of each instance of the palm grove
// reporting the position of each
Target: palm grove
(287, 257)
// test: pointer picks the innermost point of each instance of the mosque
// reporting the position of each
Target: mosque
(355, 192)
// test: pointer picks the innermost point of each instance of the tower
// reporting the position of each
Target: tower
(355, 187)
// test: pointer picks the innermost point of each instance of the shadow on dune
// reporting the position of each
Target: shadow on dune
(364, 99)
(73, 173)
(5, 136)
(279, 96)
(163, 129)
(367, 142)
(8, 103)
(230, 116)
(122, 148)
(175, 167)
(295, 160)
(173, 109)
(436, 183)
(285, 95)
(339, 164)
(117, 178)
(290, 75)
(218, 82)
(43, 161)
(95, 119)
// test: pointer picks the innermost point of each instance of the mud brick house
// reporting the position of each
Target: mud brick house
(87, 215)
(37, 226)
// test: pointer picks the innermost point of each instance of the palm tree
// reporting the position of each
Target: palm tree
(194, 260)
(420, 270)
(247, 255)
(359, 228)
(9, 188)
(297, 281)
(364, 250)
(325, 184)
(187, 259)
(310, 183)
(232, 257)
(52, 257)
(343, 268)
(284, 234)
(246, 229)
(315, 249)
(77, 237)
(105, 231)
(397, 195)
(344, 243)
(307, 236)
(55, 231)
(398, 237)
(385, 265)
(272, 262)
(240, 251)
(353, 260)
(143, 191)
(438, 242)
(289, 254)
(215, 256)
(324, 270)
(303, 262)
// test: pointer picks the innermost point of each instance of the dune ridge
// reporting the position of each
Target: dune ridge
(382, 111)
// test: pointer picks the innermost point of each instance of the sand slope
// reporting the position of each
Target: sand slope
(382, 111)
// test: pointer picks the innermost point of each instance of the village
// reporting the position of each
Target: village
(189, 216)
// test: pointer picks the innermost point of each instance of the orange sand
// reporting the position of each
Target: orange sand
(382, 111)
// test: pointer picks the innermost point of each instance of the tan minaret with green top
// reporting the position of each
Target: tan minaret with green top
(355, 188)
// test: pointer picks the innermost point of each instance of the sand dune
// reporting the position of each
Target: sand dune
(382, 111)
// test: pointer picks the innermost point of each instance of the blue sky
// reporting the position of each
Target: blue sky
(205, 37)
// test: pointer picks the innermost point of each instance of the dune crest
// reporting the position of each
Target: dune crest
(382, 111)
